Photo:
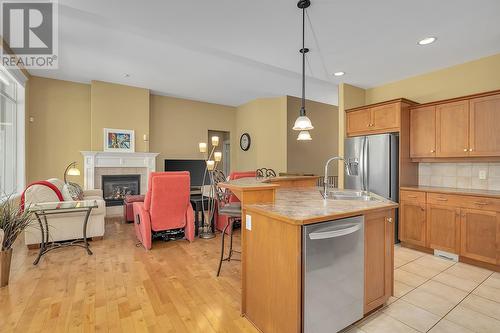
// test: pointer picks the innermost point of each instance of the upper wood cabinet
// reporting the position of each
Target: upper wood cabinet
(484, 126)
(452, 129)
(379, 236)
(358, 121)
(423, 132)
(386, 117)
(377, 118)
(480, 232)
(461, 128)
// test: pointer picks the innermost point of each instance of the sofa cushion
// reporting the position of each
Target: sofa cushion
(134, 198)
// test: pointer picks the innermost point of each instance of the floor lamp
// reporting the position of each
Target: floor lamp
(211, 164)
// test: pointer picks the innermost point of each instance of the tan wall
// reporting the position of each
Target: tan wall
(265, 120)
(349, 97)
(310, 156)
(61, 127)
(178, 125)
(464, 79)
(121, 107)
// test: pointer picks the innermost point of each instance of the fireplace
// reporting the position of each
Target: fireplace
(116, 187)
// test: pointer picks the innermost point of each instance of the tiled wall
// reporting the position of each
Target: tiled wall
(460, 175)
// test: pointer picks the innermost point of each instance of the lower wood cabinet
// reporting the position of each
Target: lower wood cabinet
(480, 231)
(443, 228)
(414, 228)
(466, 225)
(379, 235)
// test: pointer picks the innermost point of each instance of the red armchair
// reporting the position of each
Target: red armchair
(222, 219)
(165, 207)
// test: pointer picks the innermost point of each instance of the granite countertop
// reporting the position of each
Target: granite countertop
(305, 205)
(450, 190)
(260, 183)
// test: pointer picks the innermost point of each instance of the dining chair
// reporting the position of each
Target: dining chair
(232, 212)
(265, 173)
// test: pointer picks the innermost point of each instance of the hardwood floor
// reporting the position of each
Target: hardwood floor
(123, 288)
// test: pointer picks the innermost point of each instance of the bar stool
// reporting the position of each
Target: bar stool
(265, 173)
(232, 210)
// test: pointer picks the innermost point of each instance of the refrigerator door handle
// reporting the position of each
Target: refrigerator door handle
(362, 163)
(367, 180)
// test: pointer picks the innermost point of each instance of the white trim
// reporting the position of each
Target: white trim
(18, 75)
(21, 139)
(100, 159)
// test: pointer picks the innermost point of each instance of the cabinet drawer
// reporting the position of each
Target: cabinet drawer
(413, 196)
(481, 203)
(445, 199)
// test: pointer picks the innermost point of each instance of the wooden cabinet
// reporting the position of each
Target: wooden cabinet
(484, 126)
(480, 232)
(452, 129)
(386, 117)
(423, 132)
(443, 228)
(412, 228)
(462, 128)
(379, 235)
(377, 118)
(358, 121)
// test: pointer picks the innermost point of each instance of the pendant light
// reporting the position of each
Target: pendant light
(303, 123)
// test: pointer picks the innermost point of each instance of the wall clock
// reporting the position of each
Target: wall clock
(245, 141)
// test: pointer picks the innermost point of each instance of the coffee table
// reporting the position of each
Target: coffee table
(42, 210)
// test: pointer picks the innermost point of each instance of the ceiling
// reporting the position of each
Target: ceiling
(233, 51)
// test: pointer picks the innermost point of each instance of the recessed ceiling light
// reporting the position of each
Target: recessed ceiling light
(427, 41)
(338, 73)
(126, 75)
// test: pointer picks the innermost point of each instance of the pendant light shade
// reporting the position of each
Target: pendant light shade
(304, 136)
(303, 123)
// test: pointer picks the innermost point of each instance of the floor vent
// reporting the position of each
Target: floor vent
(446, 255)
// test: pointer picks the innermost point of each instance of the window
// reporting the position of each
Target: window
(8, 134)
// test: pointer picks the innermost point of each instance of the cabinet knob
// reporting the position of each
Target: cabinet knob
(465, 149)
(433, 151)
(389, 219)
(470, 149)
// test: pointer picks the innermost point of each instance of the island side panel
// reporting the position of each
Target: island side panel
(272, 274)
(250, 197)
(379, 258)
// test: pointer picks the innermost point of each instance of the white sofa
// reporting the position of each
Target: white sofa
(64, 226)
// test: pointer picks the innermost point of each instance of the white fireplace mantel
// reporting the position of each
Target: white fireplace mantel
(100, 159)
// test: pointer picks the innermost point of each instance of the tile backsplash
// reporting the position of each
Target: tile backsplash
(460, 175)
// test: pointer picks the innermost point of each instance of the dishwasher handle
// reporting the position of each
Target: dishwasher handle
(335, 233)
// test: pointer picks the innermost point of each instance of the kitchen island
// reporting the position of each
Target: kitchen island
(273, 247)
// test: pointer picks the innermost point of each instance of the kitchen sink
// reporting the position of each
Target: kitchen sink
(350, 195)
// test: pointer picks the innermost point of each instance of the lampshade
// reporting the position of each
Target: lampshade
(73, 172)
(303, 123)
(217, 156)
(210, 165)
(304, 136)
(203, 147)
(215, 140)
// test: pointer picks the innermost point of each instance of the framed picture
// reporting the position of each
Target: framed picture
(119, 140)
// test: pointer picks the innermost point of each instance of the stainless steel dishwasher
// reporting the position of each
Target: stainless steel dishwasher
(333, 274)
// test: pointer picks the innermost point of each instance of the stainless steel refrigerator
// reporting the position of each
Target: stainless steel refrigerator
(374, 165)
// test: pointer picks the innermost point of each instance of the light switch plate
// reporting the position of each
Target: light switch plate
(482, 174)
(248, 222)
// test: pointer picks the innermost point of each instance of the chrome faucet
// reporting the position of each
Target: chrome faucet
(325, 180)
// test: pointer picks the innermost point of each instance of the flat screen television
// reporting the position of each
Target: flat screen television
(196, 169)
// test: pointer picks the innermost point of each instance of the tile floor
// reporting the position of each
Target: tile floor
(436, 295)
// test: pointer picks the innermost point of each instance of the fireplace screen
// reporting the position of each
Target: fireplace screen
(116, 187)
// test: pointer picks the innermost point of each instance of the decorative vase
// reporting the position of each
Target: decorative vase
(5, 258)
